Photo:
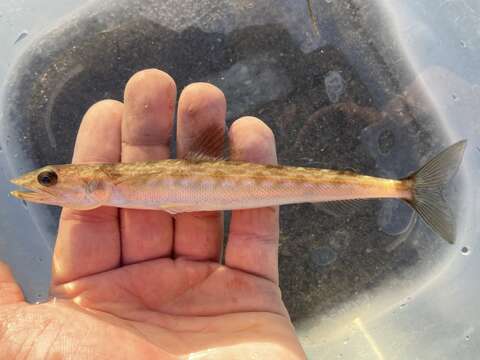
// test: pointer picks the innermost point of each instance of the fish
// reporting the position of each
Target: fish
(203, 182)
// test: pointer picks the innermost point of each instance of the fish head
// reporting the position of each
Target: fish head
(61, 185)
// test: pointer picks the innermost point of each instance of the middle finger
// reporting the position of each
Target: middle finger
(146, 129)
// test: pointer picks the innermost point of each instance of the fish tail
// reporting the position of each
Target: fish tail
(427, 185)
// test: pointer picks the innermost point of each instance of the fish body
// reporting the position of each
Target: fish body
(184, 185)
(203, 184)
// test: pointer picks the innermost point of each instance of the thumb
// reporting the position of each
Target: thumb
(10, 291)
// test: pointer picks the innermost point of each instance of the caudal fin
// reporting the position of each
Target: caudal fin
(428, 183)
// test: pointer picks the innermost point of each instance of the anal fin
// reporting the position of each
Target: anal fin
(174, 209)
(340, 207)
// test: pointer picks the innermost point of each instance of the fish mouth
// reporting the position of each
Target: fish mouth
(30, 194)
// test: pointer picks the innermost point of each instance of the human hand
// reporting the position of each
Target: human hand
(139, 284)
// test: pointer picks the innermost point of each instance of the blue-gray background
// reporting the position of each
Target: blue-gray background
(371, 86)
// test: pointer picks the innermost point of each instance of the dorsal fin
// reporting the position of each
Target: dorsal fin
(209, 145)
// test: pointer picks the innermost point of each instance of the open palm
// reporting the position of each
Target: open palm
(141, 284)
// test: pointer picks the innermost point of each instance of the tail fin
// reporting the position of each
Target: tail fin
(428, 182)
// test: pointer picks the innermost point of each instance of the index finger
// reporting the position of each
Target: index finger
(88, 241)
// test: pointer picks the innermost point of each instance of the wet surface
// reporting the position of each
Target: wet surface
(320, 108)
(337, 92)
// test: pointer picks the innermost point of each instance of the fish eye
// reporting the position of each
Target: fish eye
(47, 178)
